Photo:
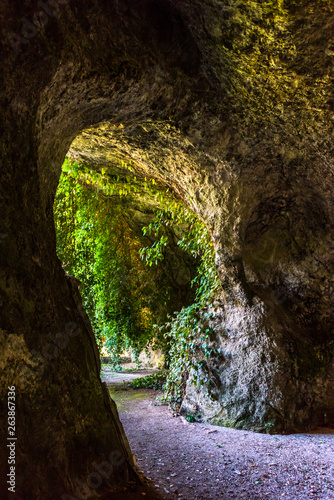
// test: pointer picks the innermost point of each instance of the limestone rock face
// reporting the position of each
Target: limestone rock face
(258, 377)
(230, 104)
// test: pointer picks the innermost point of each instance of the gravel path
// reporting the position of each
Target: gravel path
(204, 462)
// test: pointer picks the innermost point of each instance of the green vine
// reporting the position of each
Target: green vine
(97, 246)
(121, 275)
(185, 330)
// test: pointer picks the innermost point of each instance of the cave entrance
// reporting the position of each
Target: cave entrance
(143, 263)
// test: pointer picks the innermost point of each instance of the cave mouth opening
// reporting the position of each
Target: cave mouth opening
(143, 263)
(235, 154)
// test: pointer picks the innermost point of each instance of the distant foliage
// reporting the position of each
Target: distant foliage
(182, 330)
(123, 289)
(97, 246)
(154, 381)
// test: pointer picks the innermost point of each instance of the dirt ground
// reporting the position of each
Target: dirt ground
(204, 462)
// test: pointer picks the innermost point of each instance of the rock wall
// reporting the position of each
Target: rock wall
(231, 106)
(257, 375)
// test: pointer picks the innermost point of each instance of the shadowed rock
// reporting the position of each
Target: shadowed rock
(228, 104)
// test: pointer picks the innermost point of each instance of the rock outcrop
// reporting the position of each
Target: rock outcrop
(230, 105)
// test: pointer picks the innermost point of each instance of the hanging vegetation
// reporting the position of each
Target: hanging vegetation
(126, 284)
(97, 246)
(184, 330)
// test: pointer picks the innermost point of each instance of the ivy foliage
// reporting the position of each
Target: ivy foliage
(185, 330)
(153, 381)
(124, 289)
(97, 246)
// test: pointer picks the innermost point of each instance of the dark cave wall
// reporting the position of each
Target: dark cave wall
(198, 97)
(48, 351)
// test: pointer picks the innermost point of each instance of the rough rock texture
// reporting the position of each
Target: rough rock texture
(257, 376)
(231, 105)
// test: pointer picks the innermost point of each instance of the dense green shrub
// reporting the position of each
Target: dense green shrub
(154, 381)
